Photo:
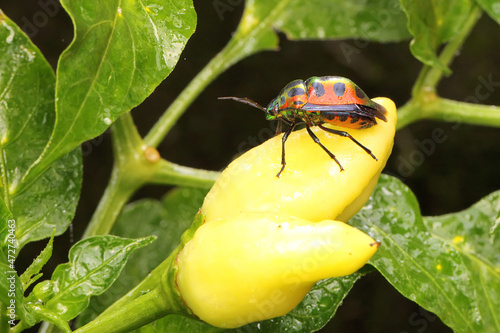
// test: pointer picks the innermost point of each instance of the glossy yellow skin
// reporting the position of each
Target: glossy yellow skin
(312, 186)
(255, 266)
(267, 240)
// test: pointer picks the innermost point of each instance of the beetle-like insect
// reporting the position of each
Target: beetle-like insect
(326, 99)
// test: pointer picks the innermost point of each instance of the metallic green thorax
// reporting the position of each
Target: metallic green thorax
(289, 101)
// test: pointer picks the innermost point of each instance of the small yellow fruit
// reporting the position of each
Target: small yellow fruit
(256, 266)
(312, 186)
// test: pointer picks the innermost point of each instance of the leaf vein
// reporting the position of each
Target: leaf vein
(425, 271)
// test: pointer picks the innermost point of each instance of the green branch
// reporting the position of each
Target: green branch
(251, 36)
(126, 177)
(462, 112)
(429, 77)
(424, 97)
(173, 174)
(162, 280)
(116, 195)
(450, 111)
(140, 311)
(136, 165)
(223, 60)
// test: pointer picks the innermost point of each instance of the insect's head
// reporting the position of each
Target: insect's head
(272, 110)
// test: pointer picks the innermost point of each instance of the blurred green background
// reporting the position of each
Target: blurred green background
(446, 176)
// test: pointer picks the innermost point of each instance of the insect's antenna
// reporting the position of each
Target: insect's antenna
(246, 101)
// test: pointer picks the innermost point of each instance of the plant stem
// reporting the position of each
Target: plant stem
(429, 77)
(462, 112)
(47, 327)
(136, 165)
(251, 36)
(217, 65)
(123, 183)
(449, 111)
(174, 174)
(116, 195)
(407, 114)
(177, 108)
(163, 275)
(142, 310)
(424, 89)
(149, 283)
(18, 328)
(449, 52)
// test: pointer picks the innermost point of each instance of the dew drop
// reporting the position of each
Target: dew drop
(10, 37)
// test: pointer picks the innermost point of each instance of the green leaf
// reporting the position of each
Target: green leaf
(94, 264)
(492, 7)
(432, 23)
(9, 277)
(11, 295)
(380, 20)
(474, 233)
(121, 52)
(30, 275)
(6, 227)
(167, 220)
(419, 264)
(26, 120)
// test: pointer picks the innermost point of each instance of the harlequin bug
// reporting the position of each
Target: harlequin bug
(326, 99)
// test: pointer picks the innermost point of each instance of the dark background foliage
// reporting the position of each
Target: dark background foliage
(447, 175)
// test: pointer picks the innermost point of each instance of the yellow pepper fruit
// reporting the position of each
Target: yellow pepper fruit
(255, 266)
(265, 240)
(312, 186)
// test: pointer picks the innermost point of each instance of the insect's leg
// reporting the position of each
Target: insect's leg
(315, 138)
(279, 127)
(283, 140)
(282, 121)
(347, 135)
